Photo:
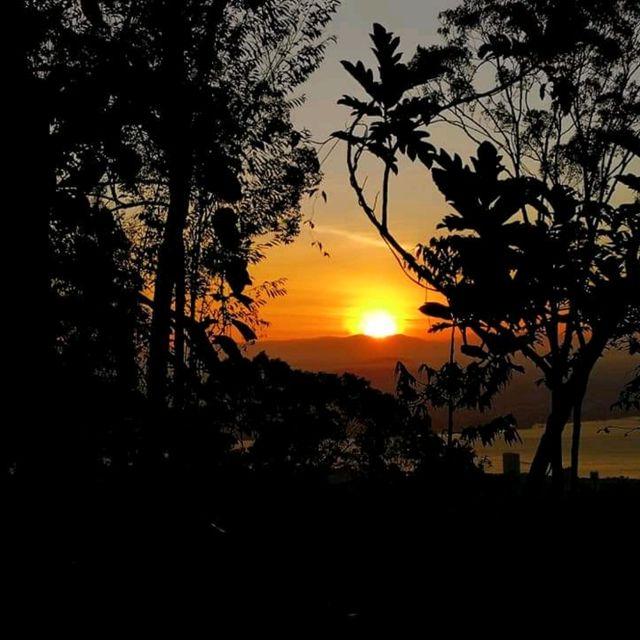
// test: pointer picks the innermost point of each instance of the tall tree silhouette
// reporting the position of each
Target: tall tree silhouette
(205, 88)
(172, 120)
(538, 262)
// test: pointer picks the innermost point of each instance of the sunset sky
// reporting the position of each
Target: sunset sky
(330, 296)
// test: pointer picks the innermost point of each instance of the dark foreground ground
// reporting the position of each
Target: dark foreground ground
(308, 557)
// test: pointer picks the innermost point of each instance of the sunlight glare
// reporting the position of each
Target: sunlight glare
(378, 324)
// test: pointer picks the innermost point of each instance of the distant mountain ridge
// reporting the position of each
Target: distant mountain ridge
(339, 354)
(375, 359)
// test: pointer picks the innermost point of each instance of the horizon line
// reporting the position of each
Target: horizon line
(341, 337)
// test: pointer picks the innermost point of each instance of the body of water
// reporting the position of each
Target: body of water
(612, 454)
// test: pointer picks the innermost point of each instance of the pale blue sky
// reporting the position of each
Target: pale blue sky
(416, 23)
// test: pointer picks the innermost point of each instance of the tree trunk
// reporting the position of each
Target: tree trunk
(575, 441)
(179, 378)
(169, 270)
(451, 404)
(549, 452)
(580, 382)
(194, 260)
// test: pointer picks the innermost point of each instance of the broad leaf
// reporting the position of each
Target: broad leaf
(473, 351)
(436, 310)
(363, 75)
(245, 330)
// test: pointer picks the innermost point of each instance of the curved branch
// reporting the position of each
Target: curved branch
(381, 225)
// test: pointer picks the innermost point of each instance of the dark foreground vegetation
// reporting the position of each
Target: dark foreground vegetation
(152, 547)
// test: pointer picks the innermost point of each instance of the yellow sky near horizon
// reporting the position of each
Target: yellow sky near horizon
(328, 296)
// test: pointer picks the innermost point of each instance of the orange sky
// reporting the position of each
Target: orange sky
(328, 296)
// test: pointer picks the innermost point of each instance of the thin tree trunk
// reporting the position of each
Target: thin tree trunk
(169, 270)
(549, 452)
(179, 338)
(575, 442)
(193, 282)
(451, 406)
(555, 462)
(581, 390)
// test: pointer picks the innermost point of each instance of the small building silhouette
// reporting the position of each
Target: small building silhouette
(511, 464)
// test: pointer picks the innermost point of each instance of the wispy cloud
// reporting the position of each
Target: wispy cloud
(351, 236)
(364, 239)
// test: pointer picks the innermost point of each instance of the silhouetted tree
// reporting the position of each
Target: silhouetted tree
(176, 118)
(573, 137)
(455, 387)
(206, 89)
(288, 422)
(540, 262)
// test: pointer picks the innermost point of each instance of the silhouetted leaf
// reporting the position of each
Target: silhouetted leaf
(487, 434)
(436, 310)
(497, 46)
(359, 107)
(405, 383)
(440, 326)
(631, 181)
(432, 62)
(245, 330)
(229, 346)
(626, 139)
(224, 183)
(385, 154)
(363, 75)
(245, 300)
(347, 137)
(473, 351)
(237, 276)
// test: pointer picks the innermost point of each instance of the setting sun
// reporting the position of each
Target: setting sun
(378, 324)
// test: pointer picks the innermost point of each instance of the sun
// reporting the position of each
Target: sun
(378, 324)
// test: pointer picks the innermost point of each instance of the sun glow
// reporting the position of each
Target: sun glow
(378, 324)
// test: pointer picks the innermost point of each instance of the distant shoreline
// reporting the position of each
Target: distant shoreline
(614, 454)
(624, 419)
